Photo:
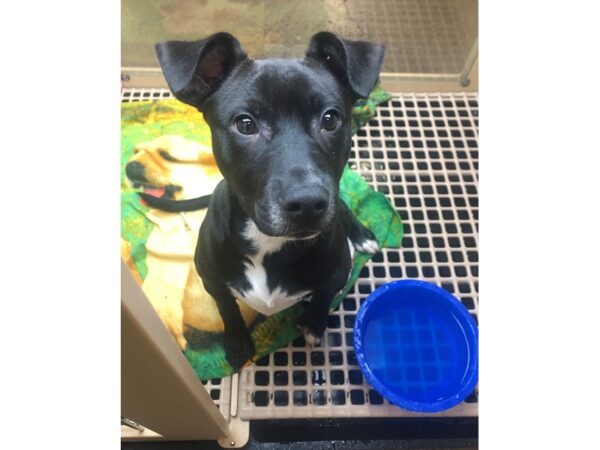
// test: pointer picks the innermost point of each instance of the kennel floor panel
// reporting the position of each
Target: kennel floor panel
(138, 95)
(219, 390)
(421, 151)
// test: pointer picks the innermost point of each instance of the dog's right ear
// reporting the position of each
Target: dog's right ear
(194, 70)
(355, 63)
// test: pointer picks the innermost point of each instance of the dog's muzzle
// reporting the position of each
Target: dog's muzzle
(135, 171)
(305, 207)
(298, 213)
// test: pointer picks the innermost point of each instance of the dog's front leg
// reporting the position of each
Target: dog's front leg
(314, 320)
(361, 237)
(238, 345)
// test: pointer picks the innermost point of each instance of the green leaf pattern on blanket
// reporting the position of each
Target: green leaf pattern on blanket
(144, 121)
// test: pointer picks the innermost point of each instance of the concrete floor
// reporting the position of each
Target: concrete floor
(421, 36)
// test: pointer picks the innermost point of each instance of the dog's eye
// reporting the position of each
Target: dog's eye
(246, 125)
(330, 120)
(165, 155)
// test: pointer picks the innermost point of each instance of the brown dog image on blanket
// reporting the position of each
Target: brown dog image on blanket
(174, 167)
(178, 168)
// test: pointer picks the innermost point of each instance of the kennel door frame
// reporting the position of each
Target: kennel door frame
(159, 389)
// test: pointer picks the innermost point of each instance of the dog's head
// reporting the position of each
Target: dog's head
(280, 128)
(172, 167)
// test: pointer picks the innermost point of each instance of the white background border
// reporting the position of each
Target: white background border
(60, 224)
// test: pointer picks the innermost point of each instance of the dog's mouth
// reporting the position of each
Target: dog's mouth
(288, 232)
(166, 192)
(274, 226)
(273, 220)
(306, 234)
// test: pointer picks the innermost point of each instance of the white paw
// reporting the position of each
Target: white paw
(310, 338)
(367, 246)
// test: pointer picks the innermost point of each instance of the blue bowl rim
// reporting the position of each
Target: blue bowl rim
(469, 326)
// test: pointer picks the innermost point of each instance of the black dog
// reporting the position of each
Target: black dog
(275, 232)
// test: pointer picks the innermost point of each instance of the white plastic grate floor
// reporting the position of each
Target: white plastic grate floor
(220, 391)
(421, 150)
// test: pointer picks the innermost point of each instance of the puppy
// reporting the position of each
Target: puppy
(276, 232)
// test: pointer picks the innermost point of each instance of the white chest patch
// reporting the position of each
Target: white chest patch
(259, 296)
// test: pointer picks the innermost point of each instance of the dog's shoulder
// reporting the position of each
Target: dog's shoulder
(218, 216)
(215, 229)
(220, 239)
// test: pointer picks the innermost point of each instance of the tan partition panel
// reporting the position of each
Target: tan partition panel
(158, 387)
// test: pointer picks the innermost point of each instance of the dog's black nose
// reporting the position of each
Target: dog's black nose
(305, 206)
(135, 171)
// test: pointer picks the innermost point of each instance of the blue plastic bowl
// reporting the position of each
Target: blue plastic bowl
(417, 346)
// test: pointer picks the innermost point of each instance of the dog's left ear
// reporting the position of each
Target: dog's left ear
(355, 63)
(194, 70)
